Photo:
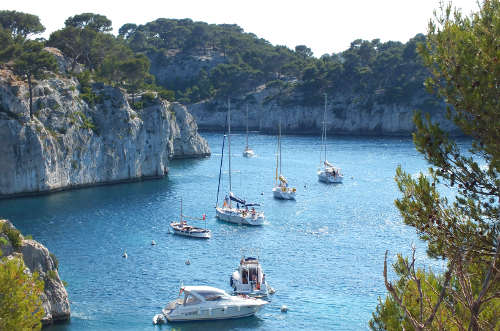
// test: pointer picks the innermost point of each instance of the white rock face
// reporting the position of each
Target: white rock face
(37, 258)
(343, 117)
(72, 143)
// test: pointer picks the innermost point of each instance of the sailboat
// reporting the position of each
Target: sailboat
(281, 189)
(327, 173)
(241, 214)
(248, 152)
(182, 228)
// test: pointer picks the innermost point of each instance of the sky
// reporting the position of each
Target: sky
(326, 26)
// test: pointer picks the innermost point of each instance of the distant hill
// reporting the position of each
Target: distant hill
(200, 61)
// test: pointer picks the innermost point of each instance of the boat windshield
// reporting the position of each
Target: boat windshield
(190, 300)
(212, 295)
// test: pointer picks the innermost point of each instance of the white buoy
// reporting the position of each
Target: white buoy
(153, 243)
(124, 255)
(271, 290)
(284, 309)
(188, 262)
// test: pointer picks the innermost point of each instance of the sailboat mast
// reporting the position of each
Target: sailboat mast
(324, 127)
(229, 142)
(279, 142)
(247, 128)
(180, 220)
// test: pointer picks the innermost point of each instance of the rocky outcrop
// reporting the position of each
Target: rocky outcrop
(78, 139)
(344, 116)
(37, 258)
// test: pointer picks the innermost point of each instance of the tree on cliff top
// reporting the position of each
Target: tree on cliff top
(20, 24)
(462, 54)
(96, 22)
(20, 297)
(32, 64)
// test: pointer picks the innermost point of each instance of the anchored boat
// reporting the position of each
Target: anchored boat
(248, 152)
(327, 173)
(183, 229)
(281, 189)
(209, 303)
(249, 279)
(239, 214)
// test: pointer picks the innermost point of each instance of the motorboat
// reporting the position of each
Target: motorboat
(248, 152)
(209, 303)
(249, 279)
(327, 172)
(182, 228)
(244, 212)
(281, 190)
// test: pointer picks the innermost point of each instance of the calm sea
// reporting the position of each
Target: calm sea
(323, 253)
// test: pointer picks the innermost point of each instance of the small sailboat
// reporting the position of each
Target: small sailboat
(327, 172)
(248, 152)
(249, 279)
(239, 214)
(281, 189)
(183, 229)
(201, 303)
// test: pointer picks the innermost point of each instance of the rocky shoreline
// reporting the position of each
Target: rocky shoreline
(74, 142)
(37, 258)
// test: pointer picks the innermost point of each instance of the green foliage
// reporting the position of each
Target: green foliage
(13, 234)
(19, 24)
(52, 274)
(54, 260)
(32, 63)
(20, 302)
(148, 99)
(462, 56)
(96, 22)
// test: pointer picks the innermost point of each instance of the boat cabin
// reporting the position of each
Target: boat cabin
(197, 294)
(251, 275)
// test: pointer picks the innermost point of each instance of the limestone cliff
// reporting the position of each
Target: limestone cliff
(37, 258)
(77, 140)
(344, 116)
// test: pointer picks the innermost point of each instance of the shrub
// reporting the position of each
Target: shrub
(52, 274)
(13, 234)
(20, 302)
(54, 260)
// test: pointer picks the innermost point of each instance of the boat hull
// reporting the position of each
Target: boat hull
(329, 178)
(287, 194)
(236, 216)
(199, 233)
(217, 312)
(248, 153)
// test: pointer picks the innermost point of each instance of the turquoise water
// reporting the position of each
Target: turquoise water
(322, 253)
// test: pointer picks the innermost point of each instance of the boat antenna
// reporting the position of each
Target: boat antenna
(221, 159)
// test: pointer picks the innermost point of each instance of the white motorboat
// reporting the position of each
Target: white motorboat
(183, 229)
(327, 172)
(248, 152)
(281, 189)
(241, 214)
(249, 279)
(210, 303)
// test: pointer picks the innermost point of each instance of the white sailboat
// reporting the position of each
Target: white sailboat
(281, 189)
(327, 173)
(248, 152)
(183, 229)
(239, 214)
